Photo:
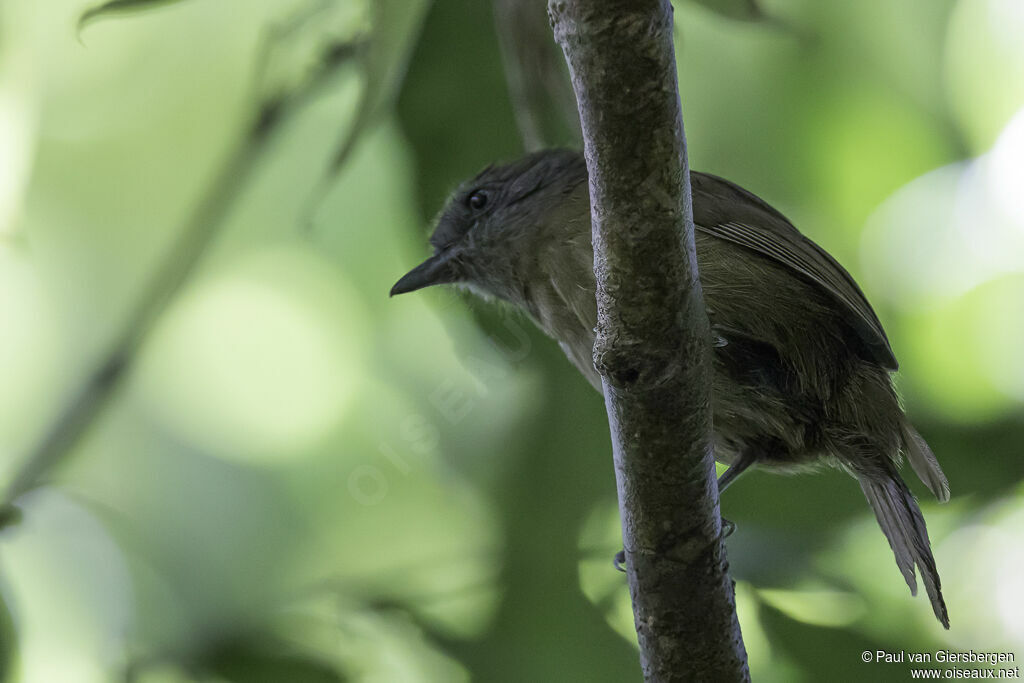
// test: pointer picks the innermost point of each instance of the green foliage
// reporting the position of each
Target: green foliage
(421, 489)
(396, 25)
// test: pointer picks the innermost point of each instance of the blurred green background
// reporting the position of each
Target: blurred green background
(301, 480)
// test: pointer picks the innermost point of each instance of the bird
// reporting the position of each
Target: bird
(801, 366)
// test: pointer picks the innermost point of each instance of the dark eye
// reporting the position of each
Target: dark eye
(477, 200)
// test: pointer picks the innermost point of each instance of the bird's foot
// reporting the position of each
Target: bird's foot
(728, 527)
(619, 561)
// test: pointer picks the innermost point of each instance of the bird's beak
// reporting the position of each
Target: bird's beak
(436, 270)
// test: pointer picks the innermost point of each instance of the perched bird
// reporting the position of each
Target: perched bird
(801, 365)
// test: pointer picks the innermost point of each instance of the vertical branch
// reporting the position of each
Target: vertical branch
(652, 347)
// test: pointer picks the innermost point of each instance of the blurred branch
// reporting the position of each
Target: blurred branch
(538, 84)
(751, 11)
(742, 10)
(95, 394)
(119, 7)
(383, 60)
(652, 336)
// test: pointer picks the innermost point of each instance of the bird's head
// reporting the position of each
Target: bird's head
(489, 233)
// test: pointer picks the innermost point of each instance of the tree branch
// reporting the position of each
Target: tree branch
(652, 347)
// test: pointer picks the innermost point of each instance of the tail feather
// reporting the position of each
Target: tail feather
(924, 463)
(889, 519)
(901, 521)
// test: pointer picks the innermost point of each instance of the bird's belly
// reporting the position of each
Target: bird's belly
(757, 404)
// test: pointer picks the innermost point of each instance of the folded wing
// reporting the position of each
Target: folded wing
(727, 211)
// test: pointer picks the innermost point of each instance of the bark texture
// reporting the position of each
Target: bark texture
(652, 347)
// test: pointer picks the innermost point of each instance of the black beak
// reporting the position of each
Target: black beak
(436, 270)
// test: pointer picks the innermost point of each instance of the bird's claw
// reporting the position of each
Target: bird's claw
(619, 561)
(728, 527)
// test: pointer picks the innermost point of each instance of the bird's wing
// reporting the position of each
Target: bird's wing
(727, 211)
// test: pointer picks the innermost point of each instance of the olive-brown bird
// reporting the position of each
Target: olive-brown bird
(801, 365)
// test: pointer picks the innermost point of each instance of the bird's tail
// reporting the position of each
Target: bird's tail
(901, 521)
(924, 463)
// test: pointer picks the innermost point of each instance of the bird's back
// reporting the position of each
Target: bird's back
(788, 365)
(789, 354)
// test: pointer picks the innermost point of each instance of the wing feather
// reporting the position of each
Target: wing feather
(727, 211)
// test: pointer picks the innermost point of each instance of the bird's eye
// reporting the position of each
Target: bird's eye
(477, 200)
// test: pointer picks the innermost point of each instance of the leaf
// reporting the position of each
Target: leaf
(120, 7)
